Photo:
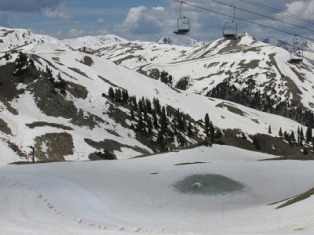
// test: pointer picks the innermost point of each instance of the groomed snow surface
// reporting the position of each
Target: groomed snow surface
(137, 196)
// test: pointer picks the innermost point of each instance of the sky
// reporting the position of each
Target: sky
(150, 20)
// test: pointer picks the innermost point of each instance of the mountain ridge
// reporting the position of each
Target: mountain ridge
(62, 94)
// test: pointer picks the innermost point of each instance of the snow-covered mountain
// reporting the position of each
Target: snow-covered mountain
(244, 65)
(94, 42)
(278, 43)
(308, 46)
(180, 40)
(58, 99)
(14, 38)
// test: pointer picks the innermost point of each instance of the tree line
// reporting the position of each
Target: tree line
(162, 127)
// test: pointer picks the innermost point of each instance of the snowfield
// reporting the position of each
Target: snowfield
(137, 196)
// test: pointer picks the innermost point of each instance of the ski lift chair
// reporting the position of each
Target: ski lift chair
(296, 57)
(296, 54)
(230, 27)
(183, 24)
(230, 30)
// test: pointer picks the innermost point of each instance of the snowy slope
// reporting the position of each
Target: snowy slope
(236, 61)
(94, 42)
(13, 38)
(138, 196)
(134, 82)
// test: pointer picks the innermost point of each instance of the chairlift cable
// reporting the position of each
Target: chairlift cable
(241, 19)
(278, 11)
(265, 16)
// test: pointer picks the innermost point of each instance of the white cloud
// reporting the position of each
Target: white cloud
(147, 22)
(101, 21)
(60, 12)
(304, 9)
(73, 33)
(29, 5)
(158, 8)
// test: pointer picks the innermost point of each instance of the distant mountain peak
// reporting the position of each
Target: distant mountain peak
(180, 40)
(94, 42)
(13, 38)
(278, 43)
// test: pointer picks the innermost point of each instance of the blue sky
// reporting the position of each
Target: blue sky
(152, 19)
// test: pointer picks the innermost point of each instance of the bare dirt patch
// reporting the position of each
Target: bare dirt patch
(44, 124)
(230, 108)
(4, 127)
(53, 146)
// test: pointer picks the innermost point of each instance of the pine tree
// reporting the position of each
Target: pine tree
(161, 141)
(117, 95)
(157, 106)
(140, 124)
(179, 120)
(163, 121)
(292, 137)
(280, 132)
(134, 103)
(207, 123)
(181, 140)
(132, 114)
(140, 106)
(111, 93)
(149, 127)
(49, 72)
(145, 114)
(148, 106)
(7, 56)
(155, 120)
(22, 57)
(243, 136)
(211, 132)
(301, 137)
(125, 96)
(190, 133)
(308, 134)
(256, 143)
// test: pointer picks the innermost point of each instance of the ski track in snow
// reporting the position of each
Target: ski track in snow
(30, 200)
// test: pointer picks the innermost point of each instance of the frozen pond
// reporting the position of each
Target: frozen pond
(209, 184)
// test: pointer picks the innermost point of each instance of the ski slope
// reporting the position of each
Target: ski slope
(137, 196)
